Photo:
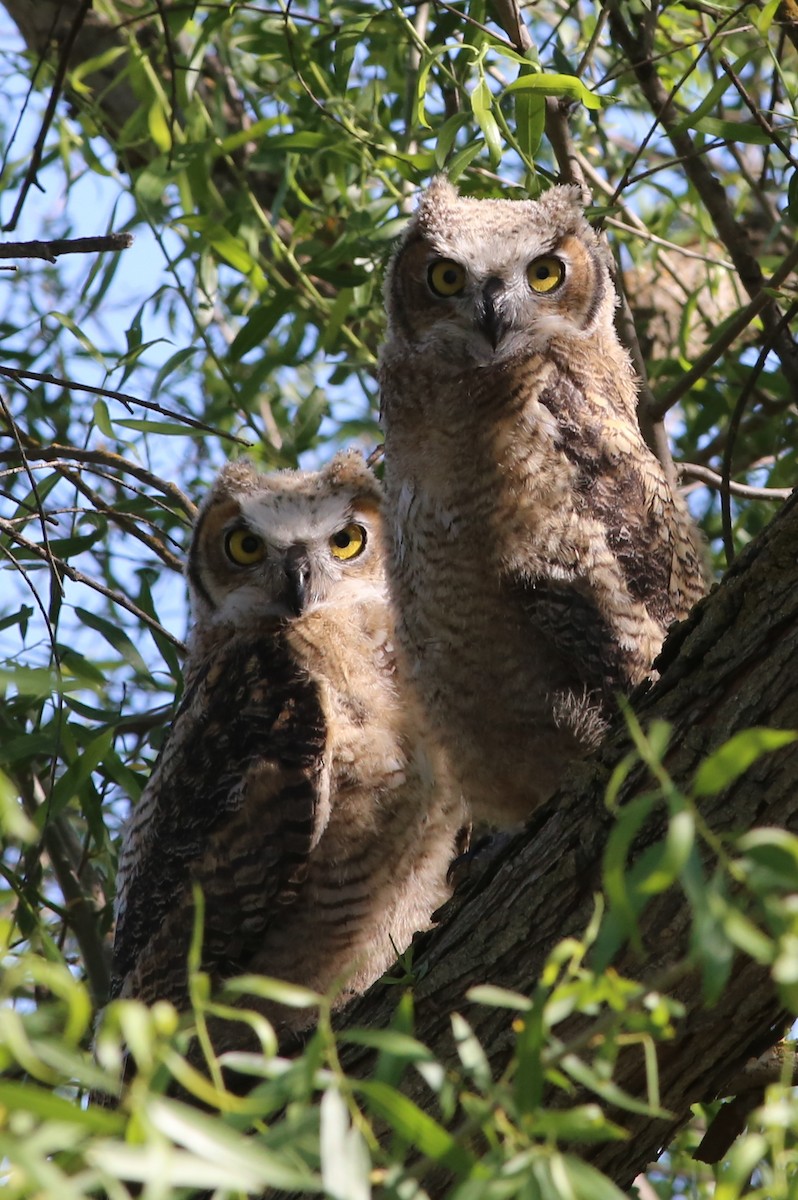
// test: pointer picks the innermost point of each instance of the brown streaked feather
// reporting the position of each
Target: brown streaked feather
(244, 834)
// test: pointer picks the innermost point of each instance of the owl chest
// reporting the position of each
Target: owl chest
(366, 748)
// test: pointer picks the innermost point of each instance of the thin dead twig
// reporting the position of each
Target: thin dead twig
(122, 397)
(78, 577)
(55, 93)
(106, 458)
(714, 480)
(734, 426)
(732, 331)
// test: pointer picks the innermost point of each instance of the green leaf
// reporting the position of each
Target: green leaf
(481, 104)
(556, 85)
(415, 1126)
(745, 935)
(676, 849)
(792, 197)
(102, 418)
(224, 1149)
(630, 820)
(262, 987)
(258, 326)
(735, 131)
(710, 101)
(607, 1090)
(530, 121)
(13, 822)
(462, 160)
(162, 428)
(170, 366)
(388, 1041)
(583, 1182)
(445, 139)
(115, 636)
(345, 1161)
(773, 853)
(70, 784)
(735, 757)
(69, 323)
(764, 19)
(47, 1106)
(585, 1123)
(471, 1052)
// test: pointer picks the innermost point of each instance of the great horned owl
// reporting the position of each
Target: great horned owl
(538, 553)
(293, 786)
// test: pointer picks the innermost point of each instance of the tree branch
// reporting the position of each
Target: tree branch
(123, 397)
(731, 332)
(714, 480)
(55, 93)
(51, 250)
(76, 576)
(706, 184)
(725, 669)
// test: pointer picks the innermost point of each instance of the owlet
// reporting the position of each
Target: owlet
(294, 787)
(537, 551)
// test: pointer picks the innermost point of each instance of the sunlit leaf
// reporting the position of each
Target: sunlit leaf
(735, 757)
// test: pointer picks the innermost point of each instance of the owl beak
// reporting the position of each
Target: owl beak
(297, 577)
(491, 319)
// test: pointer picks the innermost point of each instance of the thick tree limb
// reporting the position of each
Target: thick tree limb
(729, 667)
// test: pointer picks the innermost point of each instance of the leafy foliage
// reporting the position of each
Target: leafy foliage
(265, 159)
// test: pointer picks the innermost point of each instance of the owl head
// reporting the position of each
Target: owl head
(285, 544)
(483, 281)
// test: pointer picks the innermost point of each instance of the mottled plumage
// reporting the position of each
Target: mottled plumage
(293, 787)
(538, 552)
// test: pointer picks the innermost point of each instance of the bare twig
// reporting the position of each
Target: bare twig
(753, 108)
(55, 578)
(55, 92)
(732, 331)
(54, 452)
(78, 577)
(67, 469)
(699, 172)
(595, 41)
(51, 250)
(559, 134)
(123, 397)
(779, 1064)
(727, 1125)
(131, 525)
(508, 16)
(639, 230)
(713, 479)
(734, 426)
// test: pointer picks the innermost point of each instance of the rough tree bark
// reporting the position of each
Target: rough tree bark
(730, 666)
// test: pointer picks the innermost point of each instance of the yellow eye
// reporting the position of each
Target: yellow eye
(545, 274)
(244, 548)
(348, 542)
(446, 278)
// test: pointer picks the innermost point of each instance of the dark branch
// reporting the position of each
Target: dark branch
(51, 250)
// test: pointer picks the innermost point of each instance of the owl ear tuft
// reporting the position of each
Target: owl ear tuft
(565, 206)
(349, 467)
(436, 199)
